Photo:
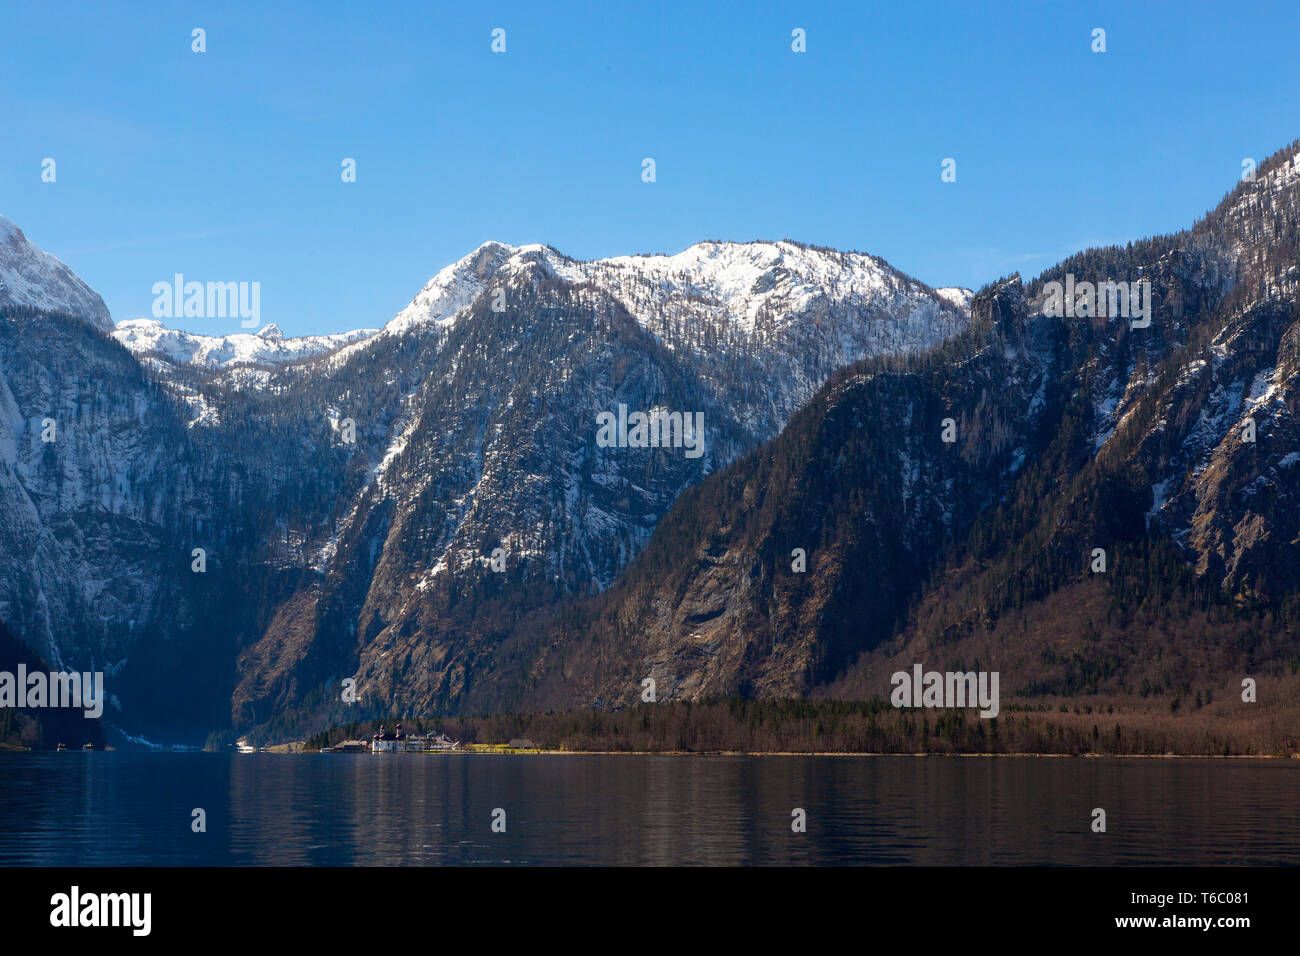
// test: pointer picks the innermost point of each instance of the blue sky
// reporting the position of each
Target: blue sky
(225, 166)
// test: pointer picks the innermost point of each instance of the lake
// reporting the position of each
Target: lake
(131, 808)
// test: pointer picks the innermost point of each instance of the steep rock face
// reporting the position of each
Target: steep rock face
(773, 576)
(104, 494)
(88, 495)
(1118, 436)
(349, 492)
(355, 502)
(1227, 491)
(31, 277)
(499, 451)
(110, 488)
(1176, 404)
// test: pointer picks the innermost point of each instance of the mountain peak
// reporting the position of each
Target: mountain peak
(740, 280)
(149, 337)
(453, 288)
(9, 231)
(31, 277)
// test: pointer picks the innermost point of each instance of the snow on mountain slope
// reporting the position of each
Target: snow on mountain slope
(957, 296)
(741, 282)
(453, 288)
(756, 290)
(474, 428)
(745, 280)
(773, 299)
(268, 347)
(29, 276)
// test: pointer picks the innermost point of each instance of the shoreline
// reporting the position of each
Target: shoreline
(821, 753)
(280, 750)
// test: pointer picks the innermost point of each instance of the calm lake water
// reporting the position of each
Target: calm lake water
(124, 808)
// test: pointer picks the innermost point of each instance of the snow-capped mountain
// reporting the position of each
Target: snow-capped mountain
(495, 443)
(770, 293)
(753, 287)
(959, 297)
(1118, 513)
(430, 509)
(149, 337)
(348, 491)
(861, 482)
(29, 276)
(453, 289)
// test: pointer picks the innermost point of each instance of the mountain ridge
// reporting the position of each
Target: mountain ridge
(31, 277)
(1139, 452)
(428, 512)
(331, 541)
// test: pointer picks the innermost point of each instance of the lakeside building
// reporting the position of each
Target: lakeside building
(389, 741)
(395, 741)
(350, 746)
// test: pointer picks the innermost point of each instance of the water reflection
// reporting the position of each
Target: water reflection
(428, 809)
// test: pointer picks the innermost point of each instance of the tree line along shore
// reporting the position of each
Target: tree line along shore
(1118, 728)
